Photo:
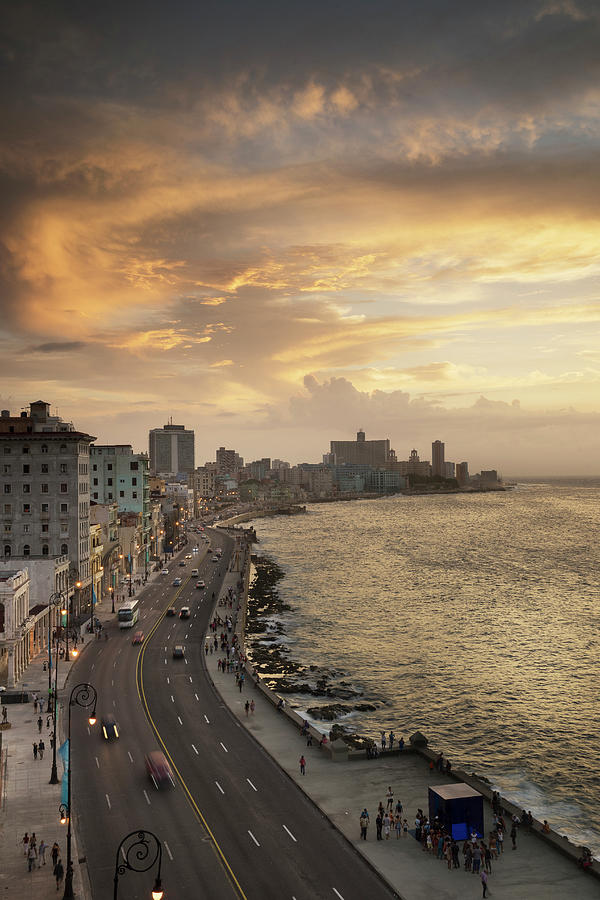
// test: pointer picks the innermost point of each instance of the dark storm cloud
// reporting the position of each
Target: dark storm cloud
(59, 347)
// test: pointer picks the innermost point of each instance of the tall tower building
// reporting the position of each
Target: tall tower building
(437, 459)
(171, 450)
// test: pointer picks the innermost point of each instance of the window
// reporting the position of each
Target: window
(7, 469)
(64, 488)
(63, 448)
(96, 496)
(64, 507)
(63, 468)
(44, 489)
(44, 549)
(45, 507)
(26, 550)
(94, 468)
(64, 529)
(45, 527)
(26, 529)
(134, 480)
(7, 550)
(133, 466)
(121, 493)
(27, 508)
(110, 496)
(7, 450)
(26, 488)
(26, 469)
(95, 482)
(7, 488)
(8, 509)
(134, 495)
(44, 468)
(7, 529)
(109, 481)
(26, 449)
(44, 448)
(109, 467)
(64, 549)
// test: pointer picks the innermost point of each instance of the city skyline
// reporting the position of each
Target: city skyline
(281, 230)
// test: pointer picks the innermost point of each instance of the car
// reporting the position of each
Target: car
(177, 582)
(138, 638)
(178, 652)
(184, 612)
(182, 563)
(188, 555)
(171, 611)
(194, 572)
(165, 572)
(195, 549)
(200, 585)
(109, 727)
(215, 559)
(158, 768)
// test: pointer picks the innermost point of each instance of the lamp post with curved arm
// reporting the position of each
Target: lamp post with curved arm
(83, 695)
(139, 855)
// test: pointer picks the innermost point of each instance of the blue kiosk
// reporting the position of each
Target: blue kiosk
(459, 808)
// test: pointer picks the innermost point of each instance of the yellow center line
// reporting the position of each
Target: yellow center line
(139, 677)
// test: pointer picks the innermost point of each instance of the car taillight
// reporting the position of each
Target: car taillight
(104, 732)
(116, 731)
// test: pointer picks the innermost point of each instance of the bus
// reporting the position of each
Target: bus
(129, 613)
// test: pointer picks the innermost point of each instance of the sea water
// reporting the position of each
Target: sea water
(473, 618)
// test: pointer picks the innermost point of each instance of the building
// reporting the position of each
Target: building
(437, 459)
(171, 450)
(449, 470)
(228, 461)
(44, 475)
(413, 466)
(361, 451)
(17, 635)
(260, 468)
(106, 516)
(462, 473)
(384, 481)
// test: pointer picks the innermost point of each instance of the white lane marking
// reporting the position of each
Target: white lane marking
(119, 650)
(186, 662)
(172, 699)
(97, 763)
(165, 649)
(190, 677)
(115, 664)
(337, 894)
(112, 682)
(285, 828)
(88, 728)
(195, 751)
(196, 696)
(220, 788)
(165, 660)
(108, 801)
(191, 625)
(255, 841)
(251, 785)
(186, 637)
(180, 722)
(166, 846)
(168, 680)
(114, 704)
(148, 800)
(93, 665)
(130, 756)
(224, 747)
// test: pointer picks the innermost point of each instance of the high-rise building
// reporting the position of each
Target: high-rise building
(44, 471)
(414, 466)
(462, 473)
(361, 451)
(437, 459)
(171, 450)
(228, 461)
(122, 476)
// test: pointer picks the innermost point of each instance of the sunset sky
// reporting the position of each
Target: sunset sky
(281, 222)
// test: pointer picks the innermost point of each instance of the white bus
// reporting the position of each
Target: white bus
(129, 613)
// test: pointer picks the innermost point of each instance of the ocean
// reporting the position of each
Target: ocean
(473, 618)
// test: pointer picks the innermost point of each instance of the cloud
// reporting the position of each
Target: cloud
(59, 347)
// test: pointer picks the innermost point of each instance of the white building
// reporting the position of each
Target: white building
(171, 450)
(17, 626)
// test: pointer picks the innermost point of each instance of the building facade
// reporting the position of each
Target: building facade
(361, 451)
(172, 450)
(437, 459)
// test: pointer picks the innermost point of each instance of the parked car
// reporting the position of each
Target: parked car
(158, 768)
(178, 652)
(138, 638)
(184, 612)
(110, 728)
(171, 611)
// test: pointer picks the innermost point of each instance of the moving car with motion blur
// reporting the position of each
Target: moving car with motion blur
(109, 727)
(158, 769)
(178, 651)
(138, 638)
(184, 612)
(177, 582)
(171, 611)
(200, 585)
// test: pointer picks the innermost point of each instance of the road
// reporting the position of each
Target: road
(234, 825)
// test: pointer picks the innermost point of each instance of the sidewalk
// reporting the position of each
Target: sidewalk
(342, 789)
(28, 802)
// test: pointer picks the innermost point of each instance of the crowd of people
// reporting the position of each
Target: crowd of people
(35, 854)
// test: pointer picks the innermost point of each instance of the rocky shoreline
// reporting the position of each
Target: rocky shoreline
(271, 658)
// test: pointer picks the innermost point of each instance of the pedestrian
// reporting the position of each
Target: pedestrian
(35, 750)
(383, 740)
(484, 882)
(40, 723)
(58, 872)
(55, 853)
(392, 738)
(52, 740)
(31, 857)
(41, 748)
(309, 740)
(476, 859)
(302, 766)
(513, 836)
(4, 715)
(387, 822)
(379, 825)
(247, 707)
(252, 706)
(364, 824)
(42, 853)
(25, 843)
(405, 828)
(35, 703)
(48, 721)
(390, 798)
(398, 808)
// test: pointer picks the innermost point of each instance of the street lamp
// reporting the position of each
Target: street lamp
(140, 851)
(83, 695)
(111, 591)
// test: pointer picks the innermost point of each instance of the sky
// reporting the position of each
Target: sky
(278, 223)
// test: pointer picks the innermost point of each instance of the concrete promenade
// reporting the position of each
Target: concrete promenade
(342, 789)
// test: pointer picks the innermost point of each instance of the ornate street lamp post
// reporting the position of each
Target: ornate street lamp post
(83, 695)
(140, 850)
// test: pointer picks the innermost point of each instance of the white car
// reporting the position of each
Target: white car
(215, 559)
(165, 572)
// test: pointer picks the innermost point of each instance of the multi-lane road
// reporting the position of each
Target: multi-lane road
(233, 825)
